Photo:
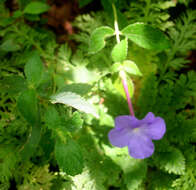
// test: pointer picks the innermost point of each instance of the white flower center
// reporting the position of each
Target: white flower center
(136, 130)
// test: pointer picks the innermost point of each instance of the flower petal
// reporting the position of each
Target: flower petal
(149, 118)
(140, 147)
(126, 121)
(119, 137)
(155, 130)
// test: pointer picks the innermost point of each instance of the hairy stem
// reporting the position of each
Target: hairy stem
(116, 24)
(122, 73)
(124, 82)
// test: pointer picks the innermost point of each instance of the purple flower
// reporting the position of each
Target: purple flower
(137, 134)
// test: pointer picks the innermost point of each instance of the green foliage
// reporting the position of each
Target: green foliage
(154, 12)
(131, 68)
(34, 70)
(63, 145)
(97, 41)
(83, 3)
(146, 36)
(69, 156)
(119, 52)
(171, 161)
(134, 171)
(9, 46)
(75, 101)
(36, 8)
(27, 105)
(37, 178)
(52, 118)
(13, 84)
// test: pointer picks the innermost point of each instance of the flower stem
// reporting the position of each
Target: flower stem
(122, 73)
(116, 24)
(124, 82)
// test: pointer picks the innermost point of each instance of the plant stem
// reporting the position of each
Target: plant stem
(116, 24)
(122, 73)
(124, 82)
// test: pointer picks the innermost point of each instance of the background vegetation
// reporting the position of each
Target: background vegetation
(48, 145)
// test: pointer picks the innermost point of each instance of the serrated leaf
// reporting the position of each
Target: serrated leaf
(146, 36)
(13, 84)
(97, 40)
(31, 144)
(119, 52)
(27, 105)
(34, 69)
(52, 118)
(172, 161)
(74, 123)
(78, 88)
(36, 8)
(69, 157)
(131, 68)
(74, 100)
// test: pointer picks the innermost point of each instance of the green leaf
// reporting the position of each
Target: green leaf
(27, 105)
(69, 157)
(74, 123)
(74, 100)
(83, 3)
(97, 40)
(36, 8)
(146, 36)
(9, 46)
(134, 171)
(13, 84)
(131, 68)
(34, 70)
(172, 161)
(119, 52)
(81, 74)
(78, 88)
(17, 14)
(52, 118)
(31, 144)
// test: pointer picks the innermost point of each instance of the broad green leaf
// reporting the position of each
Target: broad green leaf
(36, 7)
(9, 46)
(78, 88)
(74, 100)
(131, 68)
(97, 40)
(13, 84)
(146, 36)
(34, 69)
(27, 105)
(119, 52)
(52, 118)
(69, 157)
(74, 123)
(31, 144)
(81, 74)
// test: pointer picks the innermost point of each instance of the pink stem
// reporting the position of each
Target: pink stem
(124, 82)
